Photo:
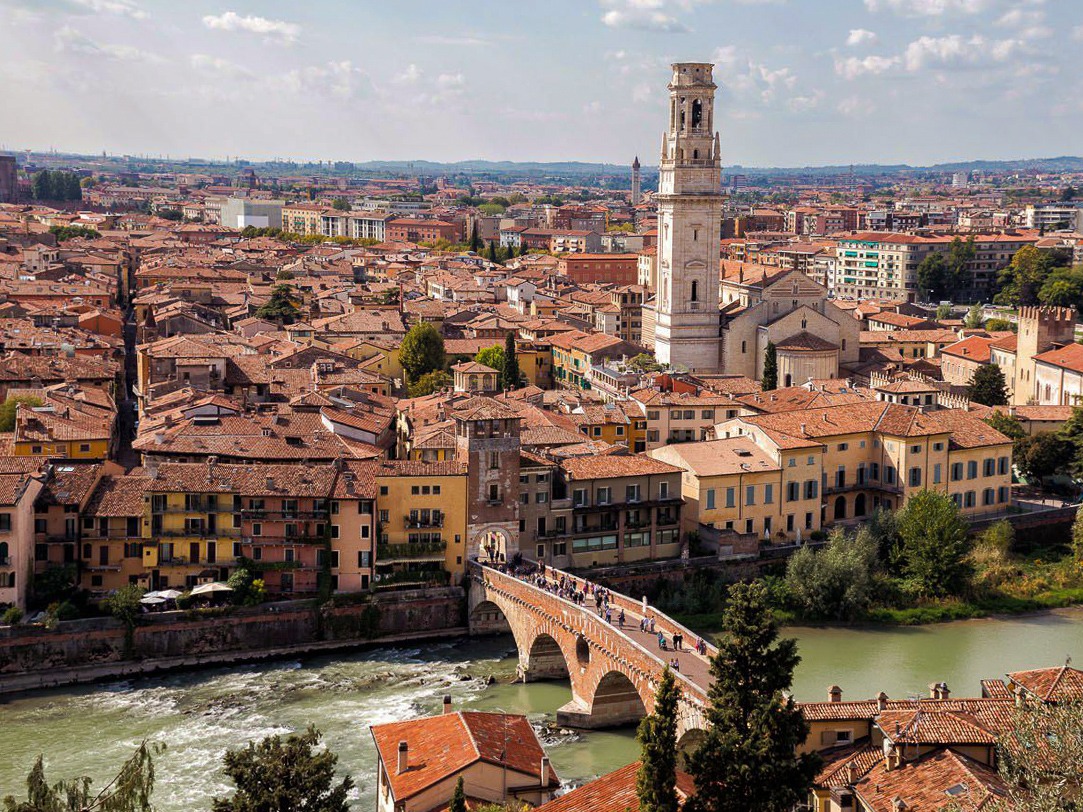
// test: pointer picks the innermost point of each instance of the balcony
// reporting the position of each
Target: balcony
(418, 551)
(265, 541)
(5, 561)
(420, 521)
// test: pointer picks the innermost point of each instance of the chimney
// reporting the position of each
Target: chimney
(270, 483)
(934, 690)
(834, 694)
(851, 774)
(404, 758)
(898, 804)
(944, 692)
(447, 703)
(544, 771)
(159, 437)
(881, 701)
(891, 759)
(1020, 697)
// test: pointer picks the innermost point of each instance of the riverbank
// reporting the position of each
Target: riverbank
(81, 651)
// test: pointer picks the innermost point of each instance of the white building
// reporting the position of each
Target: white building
(1055, 216)
(240, 212)
(689, 214)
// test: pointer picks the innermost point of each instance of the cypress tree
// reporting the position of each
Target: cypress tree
(492, 251)
(748, 756)
(510, 374)
(458, 798)
(475, 241)
(656, 781)
(770, 368)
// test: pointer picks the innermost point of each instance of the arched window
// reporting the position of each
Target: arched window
(3, 551)
(697, 112)
(804, 323)
(695, 154)
(744, 346)
(695, 291)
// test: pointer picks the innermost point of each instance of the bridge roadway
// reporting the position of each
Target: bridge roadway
(613, 671)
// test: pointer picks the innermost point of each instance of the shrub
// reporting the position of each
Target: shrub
(13, 616)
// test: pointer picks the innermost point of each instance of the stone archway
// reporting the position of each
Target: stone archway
(492, 545)
(545, 660)
(840, 508)
(859, 505)
(616, 702)
(488, 618)
(687, 744)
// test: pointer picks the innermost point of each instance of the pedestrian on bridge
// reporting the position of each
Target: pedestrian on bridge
(675, 664)
(678, 641)
(662, 641)
(620, 619)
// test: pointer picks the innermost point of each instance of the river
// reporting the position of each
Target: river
(90, 730)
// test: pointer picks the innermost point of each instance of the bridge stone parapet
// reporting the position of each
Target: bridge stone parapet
(613, 672)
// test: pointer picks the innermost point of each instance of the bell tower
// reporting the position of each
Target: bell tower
(689, 216)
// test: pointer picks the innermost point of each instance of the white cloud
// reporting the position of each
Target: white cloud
(338, 79)
(643, 92)
(748, 79)
(121, 7)
(411, 76)
(957, 51)
(72, 41)
(217, 66)
(450, 81)
(800, 104)
(274, 30)
(851, 106)
(644, 20)
(928, 8)
(852, 67)
(861, 36)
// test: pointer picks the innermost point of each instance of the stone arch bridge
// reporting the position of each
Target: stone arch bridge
(613, 671)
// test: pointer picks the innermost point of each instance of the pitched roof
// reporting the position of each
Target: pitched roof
(439, 747)
(612, 467)
(1051, 684)
(612, 792)
(1070, 356)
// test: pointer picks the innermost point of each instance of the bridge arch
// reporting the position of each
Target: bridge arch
(545, 660)
(617, 701)
(688, 743)
(488, 618)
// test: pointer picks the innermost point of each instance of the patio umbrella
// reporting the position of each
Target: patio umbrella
(168, 594)
(206, 589)
(154, 600)
(152, 594)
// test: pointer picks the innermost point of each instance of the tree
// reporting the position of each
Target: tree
(492, 357)
(475, 240)
(422, 351)
(987, 387)
(510, 374)
(248, 590)
(748, 759)
(65, 233)
(284, 776)
(1042, 455)
(340, 204)
(1072, 435)
(933, 276)
(837, 582)
(1024, 276)
(999, 326)
(1006, 424)
(430, 382)
(656, 781)
(974, 317)
(128, 791)
(960, 255)
(458, 798)
(492, 251)
(645, 362)
(9, 407)
(1041, 758)
(943, 311)
(171, 214)
(124, 605)
(933, 544)
(1063, 288)
(281, 306)
(769, 380)
(1077, 535)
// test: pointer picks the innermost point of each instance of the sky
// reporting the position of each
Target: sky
(801, 82)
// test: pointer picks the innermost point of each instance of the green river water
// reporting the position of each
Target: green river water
(90, 730)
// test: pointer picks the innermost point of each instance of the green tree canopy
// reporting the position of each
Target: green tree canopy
(933, 277)
(1025, 275)
(11, 405)
(748, 759)
(65, 233)
(276, 775)
(656, 781)
(974, 317)
(422, 351)
(943, 311)
(1006, 424)
(1042, 455)
(340, 204)
(999, 325)
(933, 544)
(645, 362)
(510, 374)
(282, 306)
(1063, 288)
(430, 382)
(988, 387)
(491, 356)
(837, 582)
(458, 798)
(769, 381)
(129, 790)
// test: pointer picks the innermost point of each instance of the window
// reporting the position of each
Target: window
(5, 522)
(989, 467)
(793, 491)
(750, 495)
(988, 496)
(731, 497)
(969, 499)
(494, 460)
(938, 446)
(631, 493)
(750, 526)
(808, 521)
(663, 490)
(768, 494)
(1002, 465)
(364, 557)
(605, 496)
(915, 477)
(956, 471)
(936, 474)
(383, 490)
(707, 414)
(257, 529)
(415, 490)
(579, 497)
(972, 469)
(915, 449)
(541, 497)
(494, 493)
(524, 498)
(436, 490)
(812, 489)
(843, 446)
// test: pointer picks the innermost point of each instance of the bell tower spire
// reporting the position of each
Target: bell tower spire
(689, 217)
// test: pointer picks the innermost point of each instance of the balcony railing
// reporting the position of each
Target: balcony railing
(420, 521)
(416, 550)
(301, 538)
